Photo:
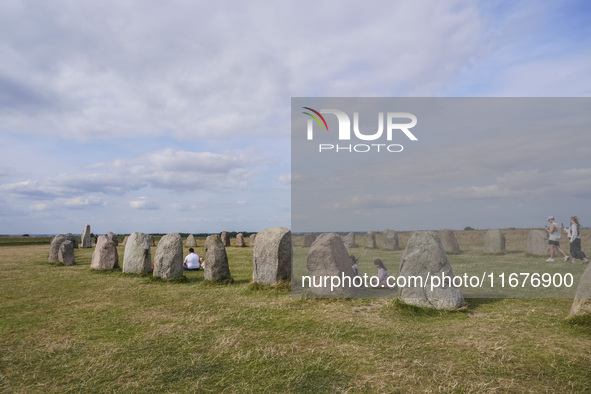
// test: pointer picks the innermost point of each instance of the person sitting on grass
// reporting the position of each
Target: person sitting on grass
(382, 273)
(354, 265)
(192, 261)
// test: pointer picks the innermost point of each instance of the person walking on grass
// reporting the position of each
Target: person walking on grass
(574, 235)
(554, 239)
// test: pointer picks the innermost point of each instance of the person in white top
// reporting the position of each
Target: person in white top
(574, 235)
(554, 238)
(192, 261)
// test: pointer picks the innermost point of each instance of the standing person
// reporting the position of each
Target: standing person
(574, 234)
(192, 261)
(554, 239)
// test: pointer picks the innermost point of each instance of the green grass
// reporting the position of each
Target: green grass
(23, 241)
(70, 329)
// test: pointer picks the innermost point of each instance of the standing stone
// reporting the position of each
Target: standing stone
(225, 238)
(152, 241)
(66, 253)
(113, 237)
(309, 239)
(350, 241)
(494, 242)
(370, 240)
(54, 248)
(390, 240)
(328, 257)
(537, 243)
(582, 301)
(124, 243)
(271, 256)
(74, 239)
(190, 242)
(137, 258)
(85, 238)
(210, 241)
(168, 261)
(251, 239)
(240, 240)
(425, 257)
(105, 256)
(216, 262)
(449, 241)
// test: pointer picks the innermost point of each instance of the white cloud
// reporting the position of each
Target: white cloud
(143, 203)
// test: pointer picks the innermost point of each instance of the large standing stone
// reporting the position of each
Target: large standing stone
(54, 248)
(105, 256)
(113, 237)
(424, 257)
(271, 256)
(494, 242)
(370, 240)
(137, 258)
(66, 253)
(309, 239)
(225, 236)
(328, 257)
(124, 243)
(210, 241)
(190, 242)
(582, 301)
(448, 240)
(240, 240)
(537, 243)
(216, 262)
(350, 241)
(74, 239)
(152, 241)
(168, 261)
(85, 238)
(251, 239)
(390, 240)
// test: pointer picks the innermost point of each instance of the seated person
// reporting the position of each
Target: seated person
(192, 261)
(354, 265)
(382, 273)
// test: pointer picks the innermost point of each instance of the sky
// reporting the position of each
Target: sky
(175, 116)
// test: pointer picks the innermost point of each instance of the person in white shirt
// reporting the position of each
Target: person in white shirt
(554, 239)
(574, 235)
(192, 261)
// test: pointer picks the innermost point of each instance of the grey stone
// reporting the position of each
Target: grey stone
(190, 242)
(74, 239)
(328, 257)
(225, 238)
(582, 302)
(350, 241)
(85, 238)
(309, 239)
(137, 258)
(425, 257)
(251, 239)
(168, 260)
(494, 242)
(210, 240)
(216, 262)
(449, 241)
(240, 240)
(537, 243)
(113, 237)
(105, 256)
(152, 241)
(124, 243)
(271, 256)
(54, 248)
(66, 253)
(370, 240)
(390, 240)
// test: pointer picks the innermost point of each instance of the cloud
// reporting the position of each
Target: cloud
(143, 203)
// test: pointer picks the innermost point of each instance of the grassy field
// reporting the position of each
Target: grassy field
(70, 329)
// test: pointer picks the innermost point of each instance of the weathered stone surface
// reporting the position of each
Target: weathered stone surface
(74, 239)
(309, 239)
(168, 260)
(328, 256)
(225, 236)
(137, 258)
(271, 256)
(537, 243)
(582, 302)
(124, 243)
(216, 262)
(190, 242)
(105, 256)
(152, 240)
(240, 240)
(350, 241)
(390, 240)
(85, 238)
(425, 257)
(54, 248)
(113, 237)
(370, 240)
(66, 253)
(251, 239)
(210, 241)
(494, 242)
(449, 241)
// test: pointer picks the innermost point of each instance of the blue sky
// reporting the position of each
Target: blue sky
(162, 117)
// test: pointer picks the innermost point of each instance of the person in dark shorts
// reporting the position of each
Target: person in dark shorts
(554, 239)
